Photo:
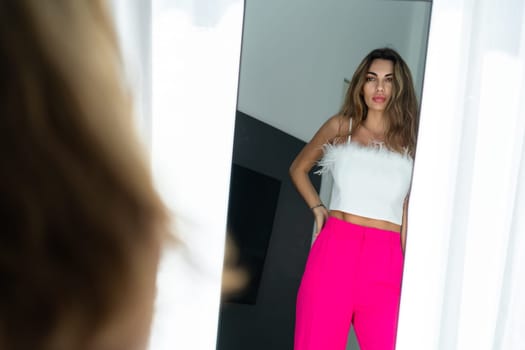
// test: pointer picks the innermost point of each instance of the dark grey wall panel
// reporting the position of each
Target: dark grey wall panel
(269, 323)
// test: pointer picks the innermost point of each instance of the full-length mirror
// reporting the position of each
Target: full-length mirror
(297, 59)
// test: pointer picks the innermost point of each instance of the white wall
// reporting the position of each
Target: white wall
(296, 53)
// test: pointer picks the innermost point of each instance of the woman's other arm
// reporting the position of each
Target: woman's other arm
(404, 225)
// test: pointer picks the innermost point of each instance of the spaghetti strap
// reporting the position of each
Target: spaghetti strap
(349, 131)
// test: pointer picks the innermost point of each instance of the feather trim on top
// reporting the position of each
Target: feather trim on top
(332, 153)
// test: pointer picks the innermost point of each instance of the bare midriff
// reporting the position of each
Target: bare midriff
(363, 221)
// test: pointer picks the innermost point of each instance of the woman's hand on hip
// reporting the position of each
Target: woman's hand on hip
(320, 214)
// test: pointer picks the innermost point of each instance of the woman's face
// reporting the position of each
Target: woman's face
(377, 89)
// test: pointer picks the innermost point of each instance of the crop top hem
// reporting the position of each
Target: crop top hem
(390, 219)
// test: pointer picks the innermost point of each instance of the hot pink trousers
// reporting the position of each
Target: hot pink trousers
(352, 276)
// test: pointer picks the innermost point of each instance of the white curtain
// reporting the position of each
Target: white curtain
(464, 280)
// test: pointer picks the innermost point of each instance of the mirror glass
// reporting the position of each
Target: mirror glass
(297, 57)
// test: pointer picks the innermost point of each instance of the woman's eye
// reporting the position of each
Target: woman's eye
(370, 79)
(389, 79)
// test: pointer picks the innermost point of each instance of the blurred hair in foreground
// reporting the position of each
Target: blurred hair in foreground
(81, 222)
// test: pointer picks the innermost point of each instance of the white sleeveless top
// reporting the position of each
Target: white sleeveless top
(368, 181)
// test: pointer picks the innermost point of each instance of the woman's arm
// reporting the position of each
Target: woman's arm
(304, 162)
(404, 225)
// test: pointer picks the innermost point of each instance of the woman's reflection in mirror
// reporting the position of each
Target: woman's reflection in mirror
(353, 272)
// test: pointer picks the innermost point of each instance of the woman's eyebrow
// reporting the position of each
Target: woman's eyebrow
(375, 74)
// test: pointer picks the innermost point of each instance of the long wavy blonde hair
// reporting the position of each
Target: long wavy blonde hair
(401, 110)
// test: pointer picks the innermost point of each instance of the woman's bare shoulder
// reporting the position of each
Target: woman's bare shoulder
(336, 128)
(336, 124)
(330, 132)
(336, 120)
